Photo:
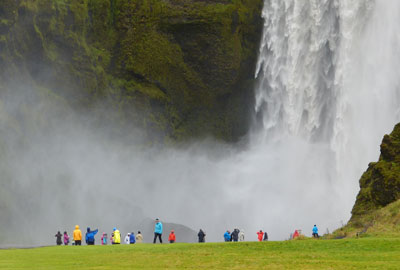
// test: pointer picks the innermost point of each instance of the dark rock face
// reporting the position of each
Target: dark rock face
(179, 69)
(380, 184)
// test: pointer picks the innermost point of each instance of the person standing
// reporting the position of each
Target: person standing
(66, 239)
(260, 235)
(227, 236)
(127, 238)
(116, 237)
(104, 239)
(58, 236)
(90, 236)
(315, 232)
(158, 229)
(132, 238)
(235, 235)
(265, 236)
(241, 236)
(77, 235)
(139, 238)
(112, 238)
(172, 237)
(202, 236)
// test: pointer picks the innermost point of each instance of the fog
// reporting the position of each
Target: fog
(71, 174)
(320, 115)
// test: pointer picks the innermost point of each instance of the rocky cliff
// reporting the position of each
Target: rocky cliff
(380, 184)
(178, 68)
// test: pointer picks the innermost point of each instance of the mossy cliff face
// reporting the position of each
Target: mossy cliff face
(380, 184)
(178, 68)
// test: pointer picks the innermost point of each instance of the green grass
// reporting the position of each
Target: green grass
(384, 222)
(366, 253)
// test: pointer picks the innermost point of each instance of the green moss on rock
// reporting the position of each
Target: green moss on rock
(180, 69)
(380, 184)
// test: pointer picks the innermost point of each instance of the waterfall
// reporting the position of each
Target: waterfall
(303, 54)
(298, 55)
(328, 90)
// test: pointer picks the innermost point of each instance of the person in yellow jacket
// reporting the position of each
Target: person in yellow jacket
(77, 236)
(117, 236)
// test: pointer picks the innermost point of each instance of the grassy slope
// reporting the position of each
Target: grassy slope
(382, 222)
(368, 253)
(376, 211)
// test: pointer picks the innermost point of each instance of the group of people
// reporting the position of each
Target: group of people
(234, 236)
(115, 238)
(262, 236)
(60, 239)
(90, 237)
(130, 238)
(297, 233)
(158, 230)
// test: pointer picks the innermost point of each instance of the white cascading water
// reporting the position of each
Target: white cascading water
(328, 91)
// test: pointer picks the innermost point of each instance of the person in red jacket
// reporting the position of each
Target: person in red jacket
(260, 235)
(171, 237)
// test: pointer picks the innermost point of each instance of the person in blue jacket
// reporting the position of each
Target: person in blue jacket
(158, 231)
(315, 232)
(227, 236)
(132, 238)
(90, 236)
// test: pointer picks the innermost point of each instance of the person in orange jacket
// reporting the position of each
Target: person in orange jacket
(77, 236)
(260, 235)
(171, 237)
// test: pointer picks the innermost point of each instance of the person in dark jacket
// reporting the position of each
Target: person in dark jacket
(235, 235)
(265, 236)
(58, 241)
(201, 236)
(90, 236)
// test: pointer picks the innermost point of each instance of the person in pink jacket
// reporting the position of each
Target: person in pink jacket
(66, 239)
(104, 239)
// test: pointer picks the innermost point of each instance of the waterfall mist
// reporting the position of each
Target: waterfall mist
(327, 92)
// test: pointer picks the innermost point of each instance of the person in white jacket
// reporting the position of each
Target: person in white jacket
(241, 235)
(127, 237)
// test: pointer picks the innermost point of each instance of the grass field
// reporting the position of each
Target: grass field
(365, 253)
(384, 222)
